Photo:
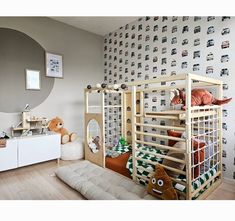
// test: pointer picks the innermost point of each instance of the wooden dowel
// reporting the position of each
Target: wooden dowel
(152, 172)
(162, 127)
(162, 156)
(165, 137)
(166, 167)
(205, 184)
(161, 146)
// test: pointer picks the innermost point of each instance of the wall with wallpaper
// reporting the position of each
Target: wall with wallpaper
(155, 46)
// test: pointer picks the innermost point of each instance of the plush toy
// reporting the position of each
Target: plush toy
(160, 185)
(122, 141)
(57, 125)
(199, 97)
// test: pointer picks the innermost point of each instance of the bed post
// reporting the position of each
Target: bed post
(220, 96)
(103, 126)
(188, 82)
(134, 131)
(141, 114)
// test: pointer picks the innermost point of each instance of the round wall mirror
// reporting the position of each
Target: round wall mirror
(93, 136)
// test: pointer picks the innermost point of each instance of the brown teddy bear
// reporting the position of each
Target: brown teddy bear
(57, 125)
(160, 185)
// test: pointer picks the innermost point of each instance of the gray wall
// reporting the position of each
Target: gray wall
(82, 53)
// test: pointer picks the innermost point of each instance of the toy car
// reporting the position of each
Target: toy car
(164, 28)
(164, 39)
(185, 18)
(225, 86)
(174, 40)
(197, 42)
(196, 54)
(173, 51)
(184, 53)
(174, 18)
(196, 67)
(224, 140)
(173, 63)
(197, 29)
(155, 59)
(155, 38)
(225, 44)
(225, 31)
(155, 28)
(224, 18)
(224, 58)
(197, 18)
(185, 29)
(209, 70)
(210, 18)
(163, 71)
(184, 64)
(210, 56)
(164, 50)
(224, 71)
(174, 29)
(210, 30)
(224, 126)
(210, 43)
(185, 41)
(225, 113)
(173, 73)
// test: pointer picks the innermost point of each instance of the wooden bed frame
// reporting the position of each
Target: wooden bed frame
(189, 116)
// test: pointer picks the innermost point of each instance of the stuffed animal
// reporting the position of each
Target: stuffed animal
(160, 185)
(199, 97)
(57, 125)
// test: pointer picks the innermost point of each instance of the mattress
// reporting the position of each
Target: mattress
(97, 183)
(118, 164)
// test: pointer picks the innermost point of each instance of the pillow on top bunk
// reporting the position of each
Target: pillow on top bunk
(178, 155)
(197, 146)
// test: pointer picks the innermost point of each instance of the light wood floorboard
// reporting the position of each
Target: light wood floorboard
(38, 182)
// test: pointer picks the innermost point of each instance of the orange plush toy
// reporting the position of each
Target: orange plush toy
(160, 185)
(57, 125)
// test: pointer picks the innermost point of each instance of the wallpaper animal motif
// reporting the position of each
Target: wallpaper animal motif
(161, 46)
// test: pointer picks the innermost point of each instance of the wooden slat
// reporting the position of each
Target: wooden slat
(165, 147)
(208, 191)
(162, 127)
(170, 117)
(162, 156)
(205, 184)
(166, 167)
(204, 79)
(152, 172)
(158, 80)
(165, 137)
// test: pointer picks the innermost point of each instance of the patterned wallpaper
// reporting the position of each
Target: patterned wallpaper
(157, 46)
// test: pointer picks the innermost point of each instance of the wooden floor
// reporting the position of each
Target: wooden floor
(38, 182)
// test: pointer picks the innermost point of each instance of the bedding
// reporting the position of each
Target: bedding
(118, 164)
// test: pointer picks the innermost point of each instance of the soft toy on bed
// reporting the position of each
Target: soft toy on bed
(160, 185)
(199, 97)
(57, 125)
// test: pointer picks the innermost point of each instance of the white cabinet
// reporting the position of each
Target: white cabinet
(25, 151)
(38, 149)
(8, 155)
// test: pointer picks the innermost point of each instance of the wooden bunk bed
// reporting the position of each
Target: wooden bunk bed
(199, 122)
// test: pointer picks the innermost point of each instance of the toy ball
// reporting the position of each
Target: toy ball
(115, 86)
(123, 86)
(98, 85)
(103, 85)
(88, 86)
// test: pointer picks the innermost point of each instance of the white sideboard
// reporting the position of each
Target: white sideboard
(23, 151)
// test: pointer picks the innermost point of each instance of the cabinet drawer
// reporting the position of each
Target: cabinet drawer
(38, 149)
(8, 156)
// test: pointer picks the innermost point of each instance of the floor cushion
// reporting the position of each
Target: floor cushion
(97, 183)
